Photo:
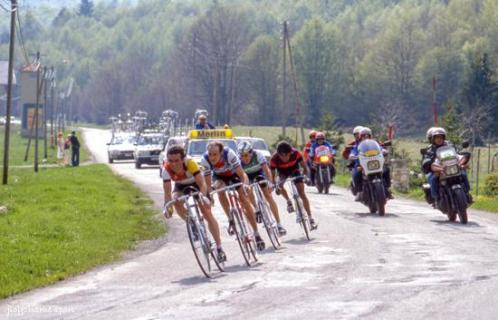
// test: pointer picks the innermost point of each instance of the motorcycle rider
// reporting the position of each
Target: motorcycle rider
(222, 168)
(353, 144)
(256, 167)
(320, 141)
(286, 163)
(437, 138)
(307, 160)
(366, 133)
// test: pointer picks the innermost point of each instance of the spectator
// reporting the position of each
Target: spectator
(75, 150)
(67, 146)
(203, 124)
(61, 144)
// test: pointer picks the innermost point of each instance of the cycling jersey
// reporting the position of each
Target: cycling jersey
(187, 177)
(289, 167)
(256, 163)
(226, 166)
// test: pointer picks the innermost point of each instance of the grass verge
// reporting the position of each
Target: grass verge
(64, 221)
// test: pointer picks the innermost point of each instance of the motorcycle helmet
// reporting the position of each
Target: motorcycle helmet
(438, 131)
(312, 134)
(357, 130)
(320, 135)
(244, 147)
(428, 135)
(366, 132)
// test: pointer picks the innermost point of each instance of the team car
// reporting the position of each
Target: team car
(198, 140)
(178, 140)
(121, 147)
(147, 149)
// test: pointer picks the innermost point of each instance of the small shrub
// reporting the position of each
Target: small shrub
(491, 185)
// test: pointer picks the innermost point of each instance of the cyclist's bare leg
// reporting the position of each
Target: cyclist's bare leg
(271, 202)
(253, 198)
(284, 193)
(212, 223)
(248, 209)
(223, 197)
(180, 209)
(302, 194)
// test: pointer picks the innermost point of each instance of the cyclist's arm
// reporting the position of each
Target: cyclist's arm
(208, 181)
(304, 166)
(167, 190)
(242, 175)
(199, 180)
(267, 172)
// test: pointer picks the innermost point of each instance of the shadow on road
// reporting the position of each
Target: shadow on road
(199, 279)
(470, 224)
(375, 215)
(299, 241)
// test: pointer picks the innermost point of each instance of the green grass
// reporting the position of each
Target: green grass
(64, 221)
(18, 146)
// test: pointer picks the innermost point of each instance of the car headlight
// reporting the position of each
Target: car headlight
(373, 165)
(451, 170)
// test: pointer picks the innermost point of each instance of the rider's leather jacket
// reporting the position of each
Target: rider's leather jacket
(430, 156)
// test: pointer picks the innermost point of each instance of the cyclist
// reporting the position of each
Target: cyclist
(186, 175)
(307, 159)
(222, 167)
(255, 166)
(286, 162)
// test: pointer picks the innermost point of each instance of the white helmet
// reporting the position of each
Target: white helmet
(436, 131)
(365, 131)
(428, 135)
(357, 129)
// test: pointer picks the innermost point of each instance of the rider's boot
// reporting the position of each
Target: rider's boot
(231, 227)
(281, 230)
(260, 244)
(222, 257)
(313, 224)
(290, 207)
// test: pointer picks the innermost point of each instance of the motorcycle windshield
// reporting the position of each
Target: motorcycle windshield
(446, 153)
(369, 148)
(322, 151)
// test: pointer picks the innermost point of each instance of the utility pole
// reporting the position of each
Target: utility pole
(284, 79)
(37, 110)
(47, 75)
(52, 100)
(13, 13)
(434, 106)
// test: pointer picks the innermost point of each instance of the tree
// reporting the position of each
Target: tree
(452, 124)
(86, 8)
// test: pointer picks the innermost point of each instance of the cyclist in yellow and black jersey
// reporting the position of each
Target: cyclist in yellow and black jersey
(186, 174)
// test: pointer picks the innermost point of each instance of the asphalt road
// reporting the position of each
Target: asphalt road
(410, 264)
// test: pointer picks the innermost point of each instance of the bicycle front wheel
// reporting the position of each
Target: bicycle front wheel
(200, 245)
(305, 221)
(245, 240)
(270, 224)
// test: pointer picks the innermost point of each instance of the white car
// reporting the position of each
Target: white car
(121, 147)
(257, 144)
(147, 149)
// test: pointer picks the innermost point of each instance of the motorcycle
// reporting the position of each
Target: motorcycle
(450, 167)
(323, 163)
(373, 194)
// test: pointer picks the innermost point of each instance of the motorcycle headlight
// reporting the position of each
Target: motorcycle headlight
(451, 170)
(373, 165)
(324, 159)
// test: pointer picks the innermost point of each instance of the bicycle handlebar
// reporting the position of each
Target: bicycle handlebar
(182, 198)
(230, 187)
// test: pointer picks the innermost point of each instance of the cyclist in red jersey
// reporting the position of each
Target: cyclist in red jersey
(286, 163)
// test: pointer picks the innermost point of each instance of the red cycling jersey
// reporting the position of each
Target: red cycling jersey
(288, 167)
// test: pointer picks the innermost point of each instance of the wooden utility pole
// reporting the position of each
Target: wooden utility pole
(434, 106)
(10, 80)
(37, 110)
(45, 104)
(284, 79)
(52, 101)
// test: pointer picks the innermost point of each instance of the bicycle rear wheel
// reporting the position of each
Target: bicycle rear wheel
(246, 242)
(200, 245)
(270, 224)
(305, 221)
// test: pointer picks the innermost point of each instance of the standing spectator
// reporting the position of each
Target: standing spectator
(61, 144)
(67, 146)
(75, 150)
(203, 124)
